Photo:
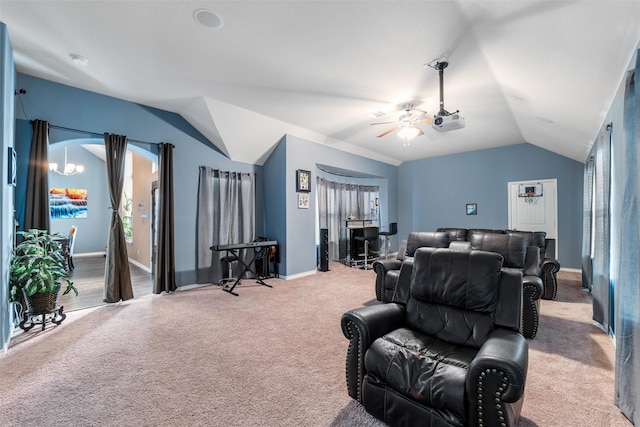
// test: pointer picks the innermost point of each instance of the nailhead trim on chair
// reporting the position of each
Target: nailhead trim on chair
(535, 318)
(549, 272)
(353, 331)
(497, 399)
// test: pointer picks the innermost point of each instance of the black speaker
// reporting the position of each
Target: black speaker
(324, 250)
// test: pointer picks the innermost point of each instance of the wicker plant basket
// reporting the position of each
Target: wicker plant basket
(42, 303)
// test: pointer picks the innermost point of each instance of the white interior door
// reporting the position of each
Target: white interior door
(538, 213)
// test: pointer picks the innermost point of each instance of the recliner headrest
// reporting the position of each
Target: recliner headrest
(467, 280)
(431, 239)
(513, 247)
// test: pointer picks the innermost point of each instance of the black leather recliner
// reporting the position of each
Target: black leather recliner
(452, 356)
(520, 256)
(549, 266)
(388, 270)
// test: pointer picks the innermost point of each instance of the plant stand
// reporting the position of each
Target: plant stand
(32, 319)
(42, 309)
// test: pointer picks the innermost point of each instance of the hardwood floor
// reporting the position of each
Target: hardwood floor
(88, 278)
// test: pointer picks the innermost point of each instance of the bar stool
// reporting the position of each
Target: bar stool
(370, 237)
(393, 230)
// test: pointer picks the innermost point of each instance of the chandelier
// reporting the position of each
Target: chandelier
(69, 168)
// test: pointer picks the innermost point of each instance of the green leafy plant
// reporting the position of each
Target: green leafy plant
(127, 220)
(37, 265)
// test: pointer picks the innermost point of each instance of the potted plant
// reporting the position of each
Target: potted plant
(38, 273)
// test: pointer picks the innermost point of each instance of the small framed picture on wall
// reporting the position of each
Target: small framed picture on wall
(303, 201)
(303, 181)
(472, 209)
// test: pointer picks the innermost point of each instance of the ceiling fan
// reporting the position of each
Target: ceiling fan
(407, 123)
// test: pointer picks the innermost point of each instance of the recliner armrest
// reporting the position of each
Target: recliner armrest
(381, 267)
(532, 288)
(403, 285)
(501, 364)
(362, 326)
(532, 262)
(549, 269)
(373, 321)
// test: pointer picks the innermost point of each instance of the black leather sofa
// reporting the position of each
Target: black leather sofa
(451, 355)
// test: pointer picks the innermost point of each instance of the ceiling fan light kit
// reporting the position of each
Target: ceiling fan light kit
(409, 132)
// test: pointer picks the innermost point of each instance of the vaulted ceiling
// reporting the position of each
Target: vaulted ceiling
(542, 72)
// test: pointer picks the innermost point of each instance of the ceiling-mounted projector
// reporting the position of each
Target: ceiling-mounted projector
(446, 123)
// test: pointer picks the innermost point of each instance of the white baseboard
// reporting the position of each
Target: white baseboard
(88, 254)
(295, 276)
(194, 286)
(136, 263)
(571, 270)
(132, 261)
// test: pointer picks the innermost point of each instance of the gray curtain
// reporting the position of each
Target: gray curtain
(627, 299)
(336, 202)
(226, 214)
(165, 277)
(600, 234)
(117, 278)
(37, 192)
(587, 221)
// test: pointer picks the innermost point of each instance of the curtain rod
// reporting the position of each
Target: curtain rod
(97, 134)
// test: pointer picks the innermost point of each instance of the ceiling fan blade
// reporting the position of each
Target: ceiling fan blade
(419, 133)
(386, 132)
(384, 123)
(426, 121)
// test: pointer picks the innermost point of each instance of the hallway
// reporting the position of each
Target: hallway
(88, 278)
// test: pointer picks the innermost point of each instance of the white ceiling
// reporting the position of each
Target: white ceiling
(317, 69)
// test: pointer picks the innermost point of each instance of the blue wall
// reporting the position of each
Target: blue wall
(69, 107)
(434, 192)
(7, 125)
(299, 227)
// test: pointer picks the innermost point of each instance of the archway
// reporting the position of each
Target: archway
(136, 210)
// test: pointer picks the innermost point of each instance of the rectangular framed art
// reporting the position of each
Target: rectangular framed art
(472, 209)
(303, 181)
(303, 201)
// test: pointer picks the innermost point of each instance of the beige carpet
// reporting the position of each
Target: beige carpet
(268, 357)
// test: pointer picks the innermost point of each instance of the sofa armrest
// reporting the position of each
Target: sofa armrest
(549, 269)
(381, 267)
(362, 326)
(496, 380)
